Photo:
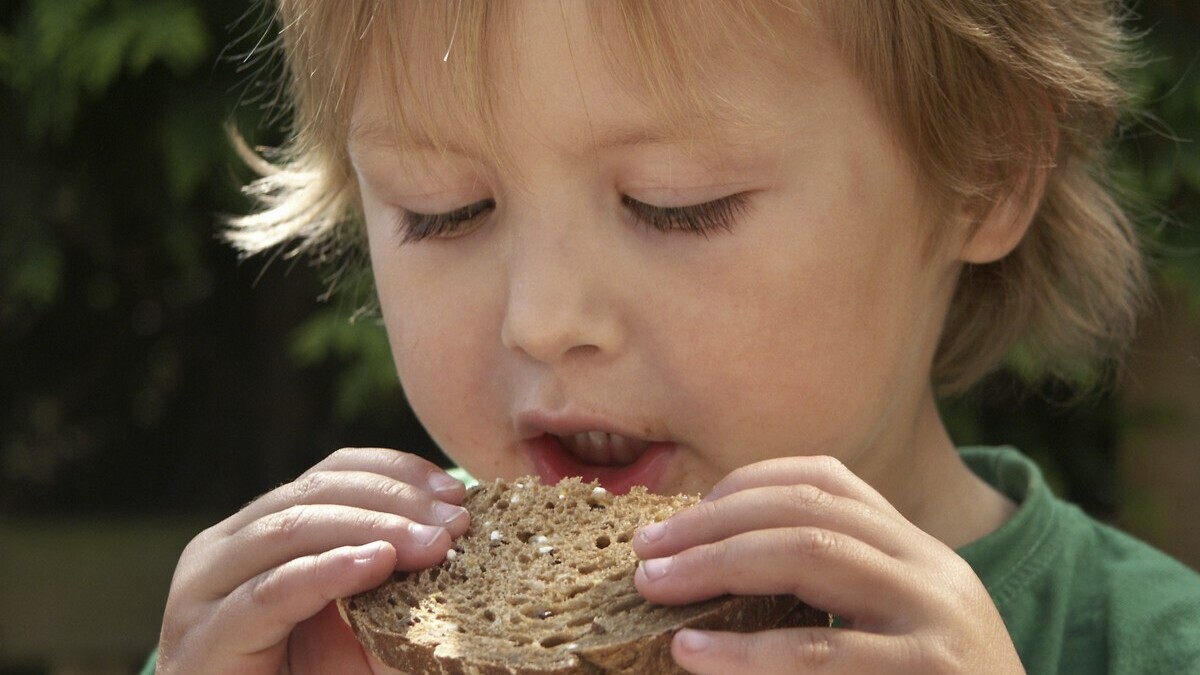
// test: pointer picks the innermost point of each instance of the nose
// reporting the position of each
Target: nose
(561, 295)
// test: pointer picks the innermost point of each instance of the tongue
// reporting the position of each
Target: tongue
(603, 449)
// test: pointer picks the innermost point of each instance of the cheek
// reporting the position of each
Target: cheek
(812, 326)
(438, 334)
(447, 374)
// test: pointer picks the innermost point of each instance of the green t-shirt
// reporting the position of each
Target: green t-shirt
(1077, 596)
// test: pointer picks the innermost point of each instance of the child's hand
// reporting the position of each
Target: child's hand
(809, 527)
(249, 593)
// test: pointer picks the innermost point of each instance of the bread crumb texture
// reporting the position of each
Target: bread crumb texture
(542, 583)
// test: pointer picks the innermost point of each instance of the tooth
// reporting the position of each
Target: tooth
(583, 445)
(621, 450)
(598, 447)
(601, 449)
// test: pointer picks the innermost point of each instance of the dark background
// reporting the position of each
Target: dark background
(151, 382)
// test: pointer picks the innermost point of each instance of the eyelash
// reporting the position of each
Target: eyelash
(413, 226)
(719, 215)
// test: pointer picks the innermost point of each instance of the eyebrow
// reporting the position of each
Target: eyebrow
(378, 133)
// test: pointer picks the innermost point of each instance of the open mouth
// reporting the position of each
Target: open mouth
(603, 449)
(617, 462)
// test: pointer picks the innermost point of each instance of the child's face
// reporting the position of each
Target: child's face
(802, 322)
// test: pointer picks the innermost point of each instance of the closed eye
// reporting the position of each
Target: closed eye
(704, 219)
(413, 226)
(719, 215)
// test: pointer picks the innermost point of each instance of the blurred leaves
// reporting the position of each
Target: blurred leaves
(366, 380)
(34, 276)
(1158, 158)
(60, 62)
(64, 53)
(131, 341)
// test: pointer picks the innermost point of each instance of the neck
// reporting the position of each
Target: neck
(923, 476)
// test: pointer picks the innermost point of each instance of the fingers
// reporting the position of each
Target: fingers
(766, 508)
(353, 497)
(306, 530)
(825, 473)
(807, 527)
(826, 569)
(805, 650)
(398, 475)
(242, 586)
(262, 611)
(362, 489)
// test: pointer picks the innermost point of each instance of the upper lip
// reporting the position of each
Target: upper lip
(534, 423)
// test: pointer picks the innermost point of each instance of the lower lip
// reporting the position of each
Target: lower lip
(553, 463)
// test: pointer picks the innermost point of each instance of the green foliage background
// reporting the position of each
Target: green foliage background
(145, 368)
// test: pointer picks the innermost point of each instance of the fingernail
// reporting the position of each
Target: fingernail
(441, 482)
(693, 640)
(653, 532)
(656, 568)
(448, 513)
(367, 552)
(424, 535)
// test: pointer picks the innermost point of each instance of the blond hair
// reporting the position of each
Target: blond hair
(984, 96)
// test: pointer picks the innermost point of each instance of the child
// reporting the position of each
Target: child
(730, 247)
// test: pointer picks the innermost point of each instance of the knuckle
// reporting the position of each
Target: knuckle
(195, 547)
(375, 522)
(212, 533)
(368, 522)
(309, 485)
(812, 649)
(832, 466)
(814, 542)
(393, 490)
(710, 557)
(264, 588)
(412, 466)
(401, 463)
(934, 656)
(808, 498)
(704, 512)
(286, 524)
(958, 583)
(173, 628)
(331, 460)
(321, 571)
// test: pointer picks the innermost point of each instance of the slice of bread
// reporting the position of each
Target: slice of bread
(541, 583)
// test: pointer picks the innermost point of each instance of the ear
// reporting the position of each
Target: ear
(999, 229)
(995, 230)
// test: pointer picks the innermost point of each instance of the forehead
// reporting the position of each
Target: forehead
(644, 72)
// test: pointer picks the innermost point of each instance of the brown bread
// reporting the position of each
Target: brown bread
(542, 583)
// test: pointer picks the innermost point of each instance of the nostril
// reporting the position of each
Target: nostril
(548, 339)
(583, 350)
